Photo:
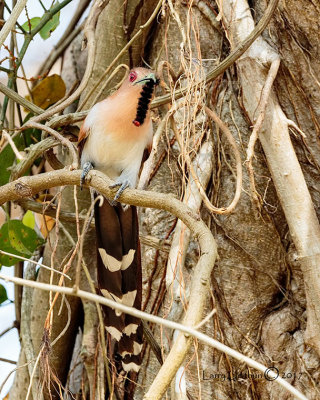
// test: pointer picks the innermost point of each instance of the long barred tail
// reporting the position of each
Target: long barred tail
(119, 278)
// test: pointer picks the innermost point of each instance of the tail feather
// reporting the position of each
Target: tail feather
(119, 277)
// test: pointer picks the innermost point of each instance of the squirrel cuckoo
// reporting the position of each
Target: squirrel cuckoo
(112, 140)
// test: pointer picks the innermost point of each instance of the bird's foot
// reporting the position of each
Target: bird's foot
(124, 184)
(86, 168)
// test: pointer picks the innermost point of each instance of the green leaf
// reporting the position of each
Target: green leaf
(3, 294)
(18, 239)
(51, 25)
(28, 219)
(7, 158)
(30, 135)
(33, 22)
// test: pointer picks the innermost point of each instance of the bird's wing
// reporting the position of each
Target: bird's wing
(82, 137)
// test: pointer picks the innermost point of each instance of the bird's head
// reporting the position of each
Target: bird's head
(141, 83)
(141, 76)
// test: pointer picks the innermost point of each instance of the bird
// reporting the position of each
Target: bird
(112, 139)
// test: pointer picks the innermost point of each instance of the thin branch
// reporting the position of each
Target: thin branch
(11, 21)
(34, 262)
(57, 136)
(237, 156)
(17, 153)
(58, 51)
(8, 361)
(185, 330)
(19, 99)
(33, 152)
(265, 93)
(226, 131)
(7, 330)
(69, 34)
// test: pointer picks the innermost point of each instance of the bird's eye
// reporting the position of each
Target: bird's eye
(132, 76)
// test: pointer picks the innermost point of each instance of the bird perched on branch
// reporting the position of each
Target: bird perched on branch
(112, 140)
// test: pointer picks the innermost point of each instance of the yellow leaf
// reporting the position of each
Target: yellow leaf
(48, 91)
(44, 222)
(46, 226)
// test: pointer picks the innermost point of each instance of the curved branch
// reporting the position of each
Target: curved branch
(237, 156)
(186, 331)
(27, 186)
(57, 136)
(33, 152)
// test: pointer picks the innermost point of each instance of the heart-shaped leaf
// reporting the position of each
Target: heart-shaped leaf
(33, 22)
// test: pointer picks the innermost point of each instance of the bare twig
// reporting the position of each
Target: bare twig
(11, 21)
(237, 156)
(7, 330)
(34, 262)
(33, 152)
(265, 93)
(186, 331)
(19, 99)
(8, 361)
(13, 146)
(59, 137)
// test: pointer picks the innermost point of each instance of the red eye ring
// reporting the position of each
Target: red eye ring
(132, 76)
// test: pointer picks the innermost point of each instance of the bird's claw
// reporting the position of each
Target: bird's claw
(85, 170)
(123, 185)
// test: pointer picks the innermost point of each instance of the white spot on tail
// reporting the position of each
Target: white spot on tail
(127, 299)
(114, 265)
(137, 347)
(111, 263)
(130, 367)
(114, 332)
(127, 259)
(130, 329)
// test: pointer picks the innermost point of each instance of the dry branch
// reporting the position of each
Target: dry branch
(58, 136)
(10, 23)
(180, 243)
(186, 331)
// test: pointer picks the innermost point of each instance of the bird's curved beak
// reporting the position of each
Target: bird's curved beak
(147, 78)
